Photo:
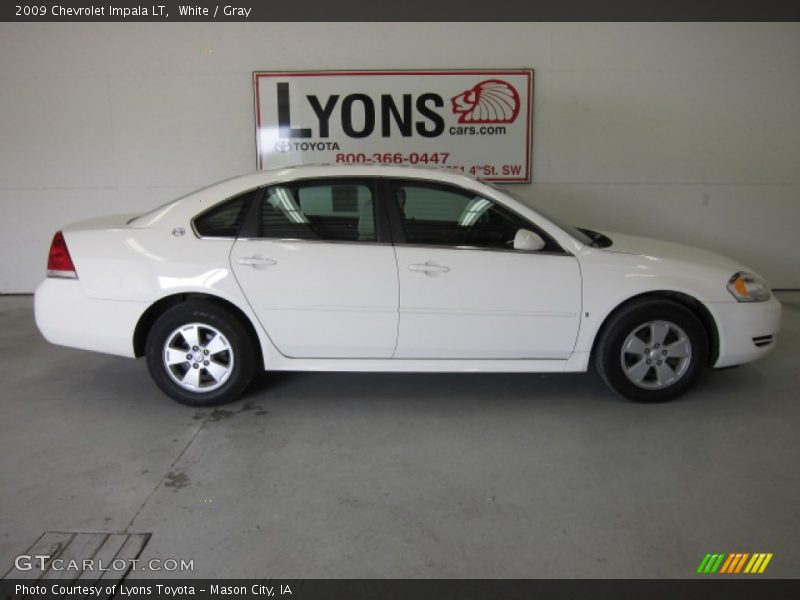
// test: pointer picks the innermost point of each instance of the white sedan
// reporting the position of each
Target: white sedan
(392, 269)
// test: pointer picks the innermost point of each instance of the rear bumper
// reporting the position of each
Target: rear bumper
(65, 315)
(747, 331)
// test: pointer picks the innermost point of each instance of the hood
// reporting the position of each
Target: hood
(623, 243)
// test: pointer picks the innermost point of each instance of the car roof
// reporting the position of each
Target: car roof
(359, 170)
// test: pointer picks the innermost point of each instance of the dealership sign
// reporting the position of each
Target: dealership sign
(476, 122)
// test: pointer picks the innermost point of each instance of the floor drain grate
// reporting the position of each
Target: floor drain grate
(84, 556)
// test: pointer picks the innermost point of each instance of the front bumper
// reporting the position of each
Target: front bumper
(67, 316)
(747, 330)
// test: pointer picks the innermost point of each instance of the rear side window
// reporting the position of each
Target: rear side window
(328, 211)
(225, 219)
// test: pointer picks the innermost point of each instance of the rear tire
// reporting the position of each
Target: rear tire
(652, 350)
(200, 354)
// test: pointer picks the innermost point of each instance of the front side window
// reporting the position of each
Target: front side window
(447, 216)
(328, 211)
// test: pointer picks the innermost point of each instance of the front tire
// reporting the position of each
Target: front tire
(200, 354)
(652, 350)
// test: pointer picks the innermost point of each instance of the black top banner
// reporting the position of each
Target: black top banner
(408, 10)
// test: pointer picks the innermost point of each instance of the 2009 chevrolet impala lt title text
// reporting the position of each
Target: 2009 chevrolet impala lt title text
(383, 268)
(153, 10)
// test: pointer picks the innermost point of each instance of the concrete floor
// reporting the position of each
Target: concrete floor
(379, 475)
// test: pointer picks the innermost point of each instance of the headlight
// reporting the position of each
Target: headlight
(746, 287)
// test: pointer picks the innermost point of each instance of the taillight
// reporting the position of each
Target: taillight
(59, 262)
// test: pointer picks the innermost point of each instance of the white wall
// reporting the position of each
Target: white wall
(688, 132)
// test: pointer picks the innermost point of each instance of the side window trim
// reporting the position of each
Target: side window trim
(251, 229)
(390, 184)
(387, 187)
(251, 225)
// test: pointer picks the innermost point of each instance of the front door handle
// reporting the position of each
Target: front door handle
(257, 261)
(430, 268)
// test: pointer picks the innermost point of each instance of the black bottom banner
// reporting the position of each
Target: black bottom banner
(403, 589)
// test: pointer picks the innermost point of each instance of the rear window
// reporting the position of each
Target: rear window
(224, 219)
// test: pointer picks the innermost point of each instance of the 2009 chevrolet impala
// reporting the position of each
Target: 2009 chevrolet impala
(392, 269)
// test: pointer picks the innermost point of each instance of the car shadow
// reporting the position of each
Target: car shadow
(524, 387)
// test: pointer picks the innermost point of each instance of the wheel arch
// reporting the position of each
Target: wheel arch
(158, 308)
(690, 302)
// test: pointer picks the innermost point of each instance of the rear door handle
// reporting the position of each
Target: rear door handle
(430, 268)
(257, 261)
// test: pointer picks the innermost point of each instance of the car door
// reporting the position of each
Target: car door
(318, 272)
(465, 292)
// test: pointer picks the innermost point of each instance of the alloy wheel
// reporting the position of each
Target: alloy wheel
(198, 357)
(656, 354)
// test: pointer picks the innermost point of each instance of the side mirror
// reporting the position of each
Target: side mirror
(528, 240)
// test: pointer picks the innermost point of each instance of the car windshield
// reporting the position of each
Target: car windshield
(571, 230)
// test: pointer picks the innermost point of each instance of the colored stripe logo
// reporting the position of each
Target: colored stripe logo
(735, 562)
